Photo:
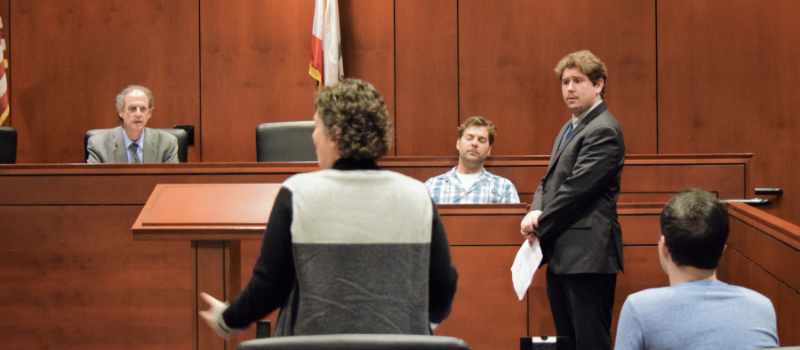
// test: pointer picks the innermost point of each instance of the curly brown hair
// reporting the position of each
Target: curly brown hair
(588, 64)
(478, 121)
(356, 118)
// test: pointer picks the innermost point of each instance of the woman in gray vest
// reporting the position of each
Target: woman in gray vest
(350, 248)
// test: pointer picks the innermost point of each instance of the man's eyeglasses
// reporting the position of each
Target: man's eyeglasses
(143, 109)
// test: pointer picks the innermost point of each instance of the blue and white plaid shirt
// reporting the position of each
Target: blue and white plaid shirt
(447, 189)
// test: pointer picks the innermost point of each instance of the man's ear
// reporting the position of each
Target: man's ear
(599, 85)
(663, 251)
(489, 151)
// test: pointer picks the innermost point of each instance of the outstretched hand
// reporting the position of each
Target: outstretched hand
(213, 313)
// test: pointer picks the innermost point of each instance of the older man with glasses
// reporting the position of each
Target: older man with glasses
(132, 142)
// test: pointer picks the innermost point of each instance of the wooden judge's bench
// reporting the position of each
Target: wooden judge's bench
(75, 276)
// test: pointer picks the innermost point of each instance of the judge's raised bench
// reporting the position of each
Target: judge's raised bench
(73, 276)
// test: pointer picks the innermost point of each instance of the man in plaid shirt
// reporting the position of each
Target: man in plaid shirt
(469, 182)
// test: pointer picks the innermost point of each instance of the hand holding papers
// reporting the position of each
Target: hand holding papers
(525, 265)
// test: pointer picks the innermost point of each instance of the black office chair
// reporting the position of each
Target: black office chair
(183, 141)
(285, 142)
(8, 145)
(356, 342)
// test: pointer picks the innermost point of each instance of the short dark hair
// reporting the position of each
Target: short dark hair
(695, 228)
(356, 118)
(478, 121)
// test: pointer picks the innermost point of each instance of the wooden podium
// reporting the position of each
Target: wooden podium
(215, 218)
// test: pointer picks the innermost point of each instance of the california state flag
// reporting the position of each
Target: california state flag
(326, 44)
(3, 80)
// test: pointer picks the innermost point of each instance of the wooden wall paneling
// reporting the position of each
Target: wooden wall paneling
(54, 184)
(727, 181)
(495, 322)
(136, 189)
(255, 59)
(471, 230)
(774, 256)
(722, 72)
(508, 50)
(210, 259)
(540, 319)
(73, 57)
(426, 75)
(743, 272)
(642, 271)
(368, 46)
(640, 229)
(250, 252)
(72, 278)
(788, 317)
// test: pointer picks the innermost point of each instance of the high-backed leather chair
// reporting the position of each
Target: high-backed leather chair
(180, 134)
(285, 142)
(356, 342)
(8, 145)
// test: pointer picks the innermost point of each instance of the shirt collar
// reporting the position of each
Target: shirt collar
(485, 175)
(579, 118)
(128, 140)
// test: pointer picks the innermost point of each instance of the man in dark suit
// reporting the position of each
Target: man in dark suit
(131, 142)
(574, 213)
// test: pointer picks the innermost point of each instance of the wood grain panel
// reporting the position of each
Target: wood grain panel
(474, 230)
(743, 272)
(727, 181)
(250, 253)
(507, 52)
(642, 271)
(73, 279)
(484, 283)
(368, 46)
(788, 316)
(73, 57)
(134, 189)
(722, 69)
(254, 70)
(210, 278)
(779, 259)
(640, 229)
(426, 75)
(90, 184)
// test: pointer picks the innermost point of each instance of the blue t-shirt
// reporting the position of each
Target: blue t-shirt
(699, 314)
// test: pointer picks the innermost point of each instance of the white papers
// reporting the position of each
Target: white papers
(525, 265)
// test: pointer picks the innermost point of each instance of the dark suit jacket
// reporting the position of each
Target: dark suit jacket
(578, 227)
(109, 147)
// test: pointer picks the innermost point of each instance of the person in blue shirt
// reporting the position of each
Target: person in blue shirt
(696, 311)
(469, 182)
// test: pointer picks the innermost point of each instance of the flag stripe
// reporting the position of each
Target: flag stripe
(4, 108)
(326, 49)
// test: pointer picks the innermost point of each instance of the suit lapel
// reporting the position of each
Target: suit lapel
(586, 120)
(555, 152)
(150, 149)
(120, 152)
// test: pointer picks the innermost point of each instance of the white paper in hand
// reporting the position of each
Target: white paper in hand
(525, 265)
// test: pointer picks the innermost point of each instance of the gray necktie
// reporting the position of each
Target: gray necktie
(134, 148)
